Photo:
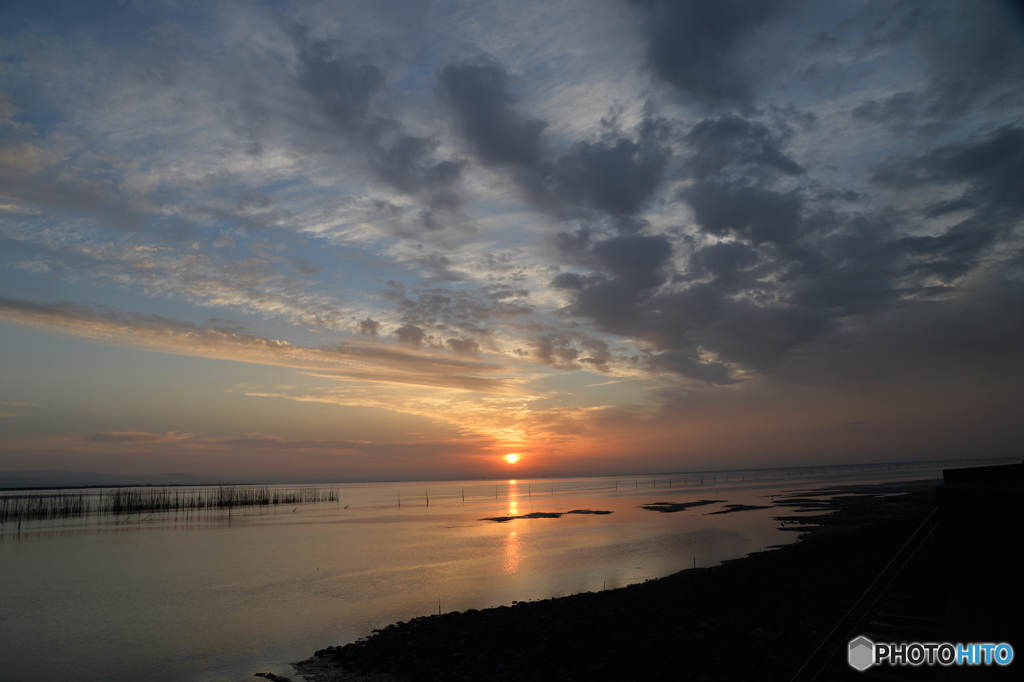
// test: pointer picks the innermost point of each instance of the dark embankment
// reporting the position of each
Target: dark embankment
(756, 618)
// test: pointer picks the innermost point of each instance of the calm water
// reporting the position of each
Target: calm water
(219, 596)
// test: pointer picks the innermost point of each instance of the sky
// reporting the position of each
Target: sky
(393, 240)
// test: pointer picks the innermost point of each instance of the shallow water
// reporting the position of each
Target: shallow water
(219, 596)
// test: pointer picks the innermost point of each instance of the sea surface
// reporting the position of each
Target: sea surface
(218, 595)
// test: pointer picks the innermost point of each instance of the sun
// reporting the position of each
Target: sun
(512, 458)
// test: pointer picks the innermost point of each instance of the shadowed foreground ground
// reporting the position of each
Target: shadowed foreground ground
(756, 618)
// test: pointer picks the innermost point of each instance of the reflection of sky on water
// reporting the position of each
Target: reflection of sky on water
(233, 592)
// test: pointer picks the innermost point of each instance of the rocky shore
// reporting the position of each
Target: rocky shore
(756, 618)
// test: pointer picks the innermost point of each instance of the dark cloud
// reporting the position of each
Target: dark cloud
(731, 142)
(472, 312)
(557, 350)
(342, 85)
(975, 56)
(734, 163)
(949, 255)
(343, 88)
(992, 166)
(600, 355)
(702, 332)
(404, 161)
(724, 262)
(369, 327)
(572, 352)
(695, 45)
(573, 242)
(614, 175)
(988, 172)
(772, 278)
(972, 54)
(612, 305)
(488, 113)
(440, 267)
(639, 261)
(853, 272)
(749, 212)
(572, 280)
(410, 334)
(463, 346)
(974, 332)
(691, 365)
(899, 110)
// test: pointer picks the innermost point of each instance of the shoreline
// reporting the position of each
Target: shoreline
(754, 617)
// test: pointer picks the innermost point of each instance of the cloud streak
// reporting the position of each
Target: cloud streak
(348, 361)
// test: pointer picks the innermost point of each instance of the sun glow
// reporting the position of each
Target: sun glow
(512, 458)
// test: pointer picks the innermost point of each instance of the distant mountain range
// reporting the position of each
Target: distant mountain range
(55, 478)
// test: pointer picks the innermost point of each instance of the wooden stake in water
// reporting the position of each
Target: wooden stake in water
(427, 494)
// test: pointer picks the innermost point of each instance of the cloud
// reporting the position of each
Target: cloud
(369, 327)
(727, 263)
(637, 260)
(696, 46)
(616, 176)
(733, 142)
(752, 213)
(472, 311)
(212, 278)
(488, 114)
(769, 274)
(613, 175)
(16, 408)
(31, 176)
(342, 360)
(343, 87)
(135, 437)
(410, 334)
(556, 349)
(735, 163)
(463, 346)
(990, 165)
(681, 195)
(972, 56)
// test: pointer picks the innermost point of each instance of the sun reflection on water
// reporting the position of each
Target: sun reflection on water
(513, 553)
(513, 498)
